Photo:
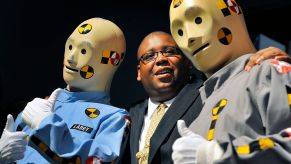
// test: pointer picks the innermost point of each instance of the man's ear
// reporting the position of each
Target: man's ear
(138, 78)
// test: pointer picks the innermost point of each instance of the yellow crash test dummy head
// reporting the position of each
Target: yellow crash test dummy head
(93, 53)
(211, 33)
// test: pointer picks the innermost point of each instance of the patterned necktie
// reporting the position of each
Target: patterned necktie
(142, 156)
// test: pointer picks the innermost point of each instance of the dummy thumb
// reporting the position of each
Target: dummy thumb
(182, 128)
(9, 123)
(54, 95)
(288, 132)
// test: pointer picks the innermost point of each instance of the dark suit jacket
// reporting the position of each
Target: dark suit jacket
(186, 106)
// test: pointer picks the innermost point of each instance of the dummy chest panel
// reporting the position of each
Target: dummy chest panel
(83, 119)
(224, 116)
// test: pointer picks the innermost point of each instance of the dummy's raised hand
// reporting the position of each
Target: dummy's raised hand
(185, 147)
(12, 144)
(267, 53)
(36, 110)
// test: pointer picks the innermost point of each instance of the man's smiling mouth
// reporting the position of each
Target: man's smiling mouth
(71, 69)
(199, 49)
(164, 71)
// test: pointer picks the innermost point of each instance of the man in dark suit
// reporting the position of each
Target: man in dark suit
(165, 75)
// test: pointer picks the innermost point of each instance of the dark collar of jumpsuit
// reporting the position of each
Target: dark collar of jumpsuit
(97, 97)
(217, 80)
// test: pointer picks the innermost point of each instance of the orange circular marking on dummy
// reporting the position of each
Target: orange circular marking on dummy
(87, 72)
(224, 36)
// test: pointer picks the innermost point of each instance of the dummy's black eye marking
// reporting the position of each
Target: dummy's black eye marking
(198, 20)
(83, 51)
(180, 32)
(70, 47)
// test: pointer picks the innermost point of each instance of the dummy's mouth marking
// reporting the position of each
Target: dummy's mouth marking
(71, 69)
(199, 49)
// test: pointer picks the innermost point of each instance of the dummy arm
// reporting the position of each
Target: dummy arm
(38, 109)
(270, 89)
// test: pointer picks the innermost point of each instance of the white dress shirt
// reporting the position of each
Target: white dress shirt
(152, 106)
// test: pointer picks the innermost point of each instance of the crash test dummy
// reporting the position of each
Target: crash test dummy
(77, 124)
(246, 115)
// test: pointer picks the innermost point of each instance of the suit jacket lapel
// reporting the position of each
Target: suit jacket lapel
(181, 104)
(137, 115)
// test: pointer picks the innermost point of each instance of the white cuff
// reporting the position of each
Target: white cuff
(208, 152)
(37, 120)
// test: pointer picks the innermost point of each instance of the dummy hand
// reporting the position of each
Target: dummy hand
(185, 147)
(267, 53)
(12, 144)
(36, 110)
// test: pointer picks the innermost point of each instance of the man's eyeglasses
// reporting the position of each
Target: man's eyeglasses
(167, 52)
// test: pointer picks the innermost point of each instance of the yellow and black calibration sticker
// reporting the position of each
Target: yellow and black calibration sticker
(260, 145)
(224, 36)
(215, 112)
(229, 7)
(50, 154)
(177, 3)
(289, 96)
(92, 112)
(85, 28)
(87, 72)
(111, 57)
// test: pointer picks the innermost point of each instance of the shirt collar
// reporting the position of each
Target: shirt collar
(97, 97)
(152, 105)
(218, 79)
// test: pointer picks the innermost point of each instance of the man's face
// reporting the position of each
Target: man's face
(202, 30)
(163, 74)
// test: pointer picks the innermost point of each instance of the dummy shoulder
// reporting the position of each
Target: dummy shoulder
(271, 70)
(281, 67)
